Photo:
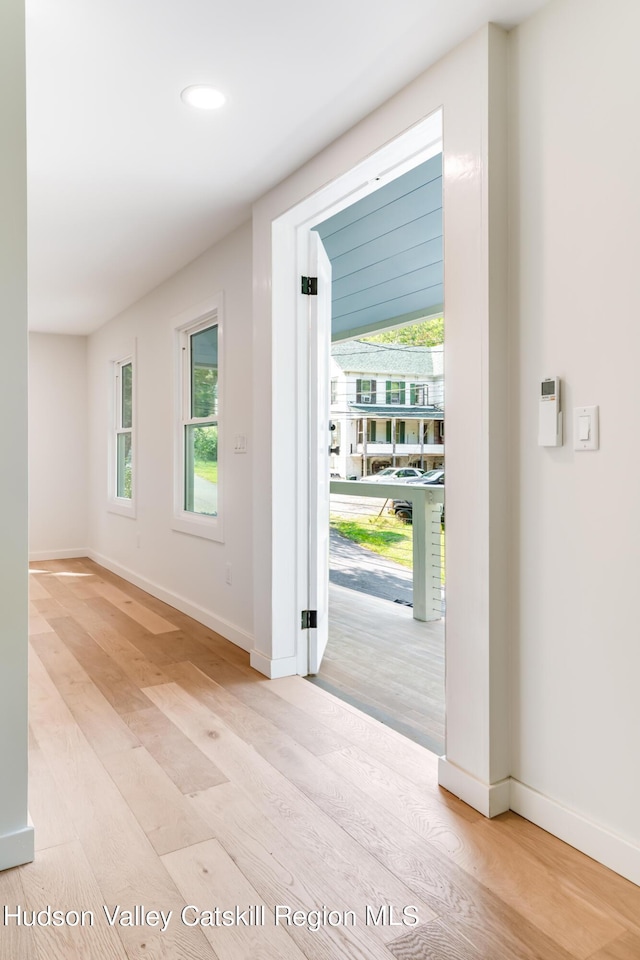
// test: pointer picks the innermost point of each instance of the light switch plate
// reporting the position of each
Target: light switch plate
(240, 443)
(586, 428)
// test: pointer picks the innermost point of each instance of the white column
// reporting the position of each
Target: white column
(16, 836)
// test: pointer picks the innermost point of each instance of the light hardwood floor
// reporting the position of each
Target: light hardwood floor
(165, 772)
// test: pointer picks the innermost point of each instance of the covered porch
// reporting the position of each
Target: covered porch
(382, 661)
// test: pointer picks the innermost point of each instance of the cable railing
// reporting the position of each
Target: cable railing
(413, 539)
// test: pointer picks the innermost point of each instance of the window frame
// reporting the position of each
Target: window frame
(201, 317)
(366, 396)
(399, 391)
(423, 387)
(124, 506)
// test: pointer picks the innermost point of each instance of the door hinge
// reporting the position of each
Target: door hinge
(310, 286)
(309, 620)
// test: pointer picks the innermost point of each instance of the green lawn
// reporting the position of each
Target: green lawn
(207, 470)
(383, 535)
(386, 536)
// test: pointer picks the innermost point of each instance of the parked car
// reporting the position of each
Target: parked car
(395, 475)
(431, 476)
(403, 509)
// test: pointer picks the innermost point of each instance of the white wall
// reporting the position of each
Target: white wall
(16, 837)
(57, 446)
(575, 218)
(186, 570)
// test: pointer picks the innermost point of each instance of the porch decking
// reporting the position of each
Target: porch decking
(385, 663)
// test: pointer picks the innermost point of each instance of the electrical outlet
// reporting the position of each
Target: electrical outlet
(227, 573)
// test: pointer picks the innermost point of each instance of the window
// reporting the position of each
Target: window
(197, 481)
(365, 391)
(371, 431)
(420, 394)
(400, 431)
(395, 391)
(121, 461)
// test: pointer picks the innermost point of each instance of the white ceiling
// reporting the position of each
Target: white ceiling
(127, 185)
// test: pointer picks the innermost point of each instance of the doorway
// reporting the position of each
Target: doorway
(385, 252)
(467, 88)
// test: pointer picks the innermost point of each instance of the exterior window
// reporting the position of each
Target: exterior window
(441, 429)
(420, 394)
(365, 391)
(400, 431)
(121, 460)
(395, 391)
(334, 392)
(371, 431)
(197, 480)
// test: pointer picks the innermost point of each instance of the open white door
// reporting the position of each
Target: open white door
(319, 443)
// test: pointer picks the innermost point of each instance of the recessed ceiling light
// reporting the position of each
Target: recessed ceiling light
(203, 97)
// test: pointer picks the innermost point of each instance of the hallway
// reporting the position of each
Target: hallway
(166, 772)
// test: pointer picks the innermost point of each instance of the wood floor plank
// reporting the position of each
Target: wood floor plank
(408, 856)
(50, 815)
(37, 588)
(49, 608)
(443, 825)
(206, 874)
(183, 763)
(61, 877)
(284, 872)
(161, 809)
(112, 682)
(626, 948)
(368, 734)
(518, 877)
(141, 671)
(437, 941)
(249, 689)
(604, 889)
(95, 716)
(38, 624)
(123, 861)
(281, 802)
(136, 611)
(16, 943)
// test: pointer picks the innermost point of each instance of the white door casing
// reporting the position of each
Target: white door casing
(319, 339)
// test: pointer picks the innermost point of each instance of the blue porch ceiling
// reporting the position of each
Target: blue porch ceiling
(386, 254)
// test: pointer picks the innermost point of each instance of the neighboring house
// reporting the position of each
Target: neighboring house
(386, 407)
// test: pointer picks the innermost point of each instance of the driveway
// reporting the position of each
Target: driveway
(359, 569)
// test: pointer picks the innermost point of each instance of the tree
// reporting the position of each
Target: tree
(427, 333)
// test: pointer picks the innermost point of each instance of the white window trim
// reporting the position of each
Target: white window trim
(199, 317)
(121, 505)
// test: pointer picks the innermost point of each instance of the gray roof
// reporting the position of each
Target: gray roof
(396, 410)
(356, 356)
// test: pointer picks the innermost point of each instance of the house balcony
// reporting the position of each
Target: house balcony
(379, 449)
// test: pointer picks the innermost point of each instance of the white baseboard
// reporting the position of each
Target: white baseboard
(590, 838)
(16, 848)
(274, 669)
(489, 799)
(226, 629)
(70, 554)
